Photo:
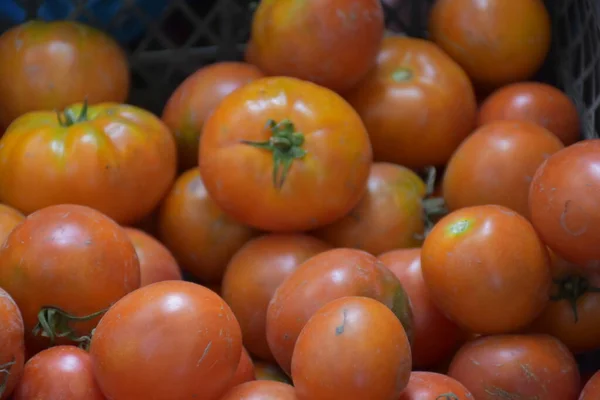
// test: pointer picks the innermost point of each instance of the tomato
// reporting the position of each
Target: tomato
(50, 65)
(244, 373)
(261, 390)
(497, 41)
(192, 102)
(253, 275)
(198, 233)
(517, 367)
(9, 218)
(173, 332)
(285, 155)
(417, 103)
(389, 216)
(591, 390)
(563, 201)
(62, 372)
(333, 43)
(266, 371)
(435, 336)
(64, 265)
(12, 345)
(486, 269)
(156, 262)
(433, 386)
(351, 348)
(495, 165)
(321, 279)
(118, 159)
(535, 102)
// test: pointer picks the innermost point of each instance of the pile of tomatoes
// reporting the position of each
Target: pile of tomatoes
(358, 215)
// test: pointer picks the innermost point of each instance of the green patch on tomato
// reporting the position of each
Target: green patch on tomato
(460, 227)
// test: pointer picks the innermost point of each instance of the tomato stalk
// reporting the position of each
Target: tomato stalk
(286, 146)
(571, 289)
(447, 396)
(5, 370)
(69, 118)
(54, 323)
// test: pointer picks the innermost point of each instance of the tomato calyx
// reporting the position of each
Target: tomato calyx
(68, 117)
(447, 396)
(434, 208)
(571, 288)
(286, 146)
(5, 371)
(54, 323)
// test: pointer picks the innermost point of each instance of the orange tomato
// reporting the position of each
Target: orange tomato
(261, 390)
(591, 390)
(9, 218)
(12, 345)
(434, 386)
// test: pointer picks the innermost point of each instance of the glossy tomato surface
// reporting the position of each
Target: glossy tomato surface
(9, 218)
(434, 386)
(282, 154)
(417, 103)
(261, 390)
(12, 345)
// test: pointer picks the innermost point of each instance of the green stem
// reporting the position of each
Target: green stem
(447, 396)
(571, 288)
(5, 371)
(68, 118)
(55, 323)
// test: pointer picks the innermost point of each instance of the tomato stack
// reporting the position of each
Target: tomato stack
(358, 215)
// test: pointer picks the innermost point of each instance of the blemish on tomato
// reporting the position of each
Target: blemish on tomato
(340, 329)
(459, 227)
(402, 75)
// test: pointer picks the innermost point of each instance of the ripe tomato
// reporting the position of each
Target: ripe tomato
(9, 218)
(495, 165)
(321, 279)
(244, 373)
(193, 101)
(199, 234)
(496, 41)
(254, 274)
(389, 216)
(486, 269)
(118, 159)
(64, 265)
(591, 390)
(173, 332)
(535, 102)
(434, 386)
(61, 372)
(563, 201)
(435, 336)
(51, 65)
(156, 261)
(517, 367)
(333, 43)
(12, 345)
(351, 348)
(304, 148)
(266, 371)
(417, 103)
(261, 390)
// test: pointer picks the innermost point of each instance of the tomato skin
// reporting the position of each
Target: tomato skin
(261, 390)
(192, 102)
(197, 232)
(435, 336)
(486, 258)
(431, 385)
(12, 344)
(338, 356)
(333, 44)
(71, 257)
(156, 261)
(415, 88)
(62, 62)
(563, 201)
(335, 167)
(495, 165)
(145, 338)
(266, 371)
(244, 373)
(61, 372)
(591, 390)
(323, 278)
(121, 161)
(389, 216)
(497, 41)
(9, 218)
(517, 366)
(534, 102)
(254, 274)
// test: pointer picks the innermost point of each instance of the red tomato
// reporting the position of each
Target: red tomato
(199, 234)
(9, 218)
(389, 216)
(417, 103)
(118, 159)
(156, 261)
(64, 263)
(50, 65)
(173, 332)
(591, 390)
(12, 345)
(305, 149)
(495, 165)
(331, 43)
(534, 102)
(261, 390)
(266, 371)
(324, 278)
(563, 201)
(433, 386)
(244, 373)
(486, 269)
(435, 336)
(253, 276)
(351, 348)
(496, 41)
(62, 372)
(192, 102)
(517, 367)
